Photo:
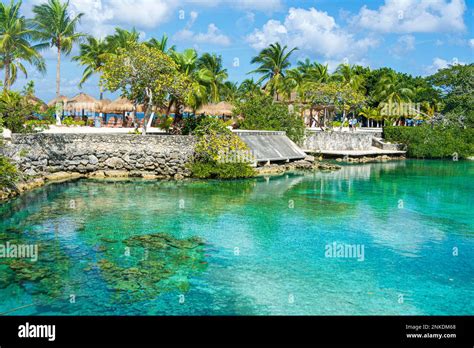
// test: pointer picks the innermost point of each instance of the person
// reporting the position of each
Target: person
(350, 124)
(354, 124)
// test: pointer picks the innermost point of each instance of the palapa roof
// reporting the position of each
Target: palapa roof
(121, 105)
(60, 99)
(222, 108)
(103, 103)
(82, 101)
(37, 101)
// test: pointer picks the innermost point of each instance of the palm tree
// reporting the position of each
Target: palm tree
(249, 87)
(230, 91)
(347, 74)
(15, 44)
(55, 26)
(161, 45)
(122, 39)
(187, 62)
(212, 74)
(391, 92)
(313, 71)
(272, 61)
(371, 114)
(92, 55)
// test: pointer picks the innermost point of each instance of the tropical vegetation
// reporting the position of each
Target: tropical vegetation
(280, 95)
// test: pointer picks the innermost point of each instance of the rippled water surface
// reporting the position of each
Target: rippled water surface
(250, 247)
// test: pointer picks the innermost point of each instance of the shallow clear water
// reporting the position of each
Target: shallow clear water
(266, 243)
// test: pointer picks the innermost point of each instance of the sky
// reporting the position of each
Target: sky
(412, 36)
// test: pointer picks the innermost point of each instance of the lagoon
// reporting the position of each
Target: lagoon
(248, 247)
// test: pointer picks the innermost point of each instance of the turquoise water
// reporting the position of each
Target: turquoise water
(265, 243)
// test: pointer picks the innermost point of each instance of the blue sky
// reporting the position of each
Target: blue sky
(413, 36)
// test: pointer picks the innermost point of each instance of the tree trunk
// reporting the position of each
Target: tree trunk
(343, 119)
(6, 85)
(58, 72)
(148, 110)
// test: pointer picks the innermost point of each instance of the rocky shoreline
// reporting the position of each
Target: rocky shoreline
(365, 159)
(309, 164)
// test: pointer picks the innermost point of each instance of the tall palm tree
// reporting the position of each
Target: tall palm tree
(249, 87)
(15, 44)
(313, 71)
(212, 73)
(161, 44)
(54, 25)
(273, 61)
(187, 62)
(122, 38)
(230, 91)
(93, 54)
(348, 75)
(390, 91)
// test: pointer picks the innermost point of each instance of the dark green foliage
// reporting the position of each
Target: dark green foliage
(456, 84)
(14, 111)
(8, 173)
(221, 170)
(214, 141)
(262, 113)
(433, 142)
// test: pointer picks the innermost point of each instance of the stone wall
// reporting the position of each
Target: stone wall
(318, 140)
(162, 156)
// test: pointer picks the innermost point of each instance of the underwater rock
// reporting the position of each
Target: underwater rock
(163, 241)
(167, 264)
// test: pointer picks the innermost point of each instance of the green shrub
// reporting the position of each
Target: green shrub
(221, 170)
(214, 141)
(14, 111)
(33, 125)
(433, 142)
(69, 121)
(263, 113)
(8, 173)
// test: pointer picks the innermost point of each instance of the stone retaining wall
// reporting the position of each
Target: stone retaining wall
(335, 140)
(164, 156)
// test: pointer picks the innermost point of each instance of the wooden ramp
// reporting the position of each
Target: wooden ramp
(270, 146)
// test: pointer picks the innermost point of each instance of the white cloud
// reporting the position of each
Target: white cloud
(312, 31)
(440, 63)
(257, 5)
(410, 16)
(102, 16)
(404, 44)
(212, 36)
(471, 43)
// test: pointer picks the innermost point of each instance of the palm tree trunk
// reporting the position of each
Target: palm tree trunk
(6, 85)
(58, 73)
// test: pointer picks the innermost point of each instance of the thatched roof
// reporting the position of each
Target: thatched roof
(222, 108)
(120, 105)
(60, 99)
(37, 101)
(103, 103)
(82, 101)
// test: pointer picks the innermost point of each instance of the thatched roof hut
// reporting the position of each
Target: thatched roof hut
(121, 105)
(103, 104)
(222, 108)
(61, 99)
(83, 101)
(37, 102)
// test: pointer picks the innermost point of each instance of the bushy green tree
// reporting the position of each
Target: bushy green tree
(219, 153)
(145, 75)
(456, 84)
(261, 112)
(14, 111)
